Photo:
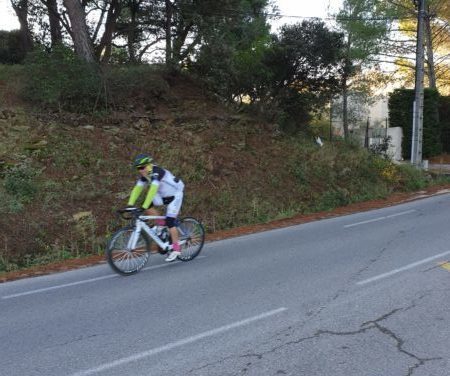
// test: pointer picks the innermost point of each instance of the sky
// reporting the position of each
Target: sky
(300, 8)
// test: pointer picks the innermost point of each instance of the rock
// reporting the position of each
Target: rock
(7, 114)
(141, 124)
(123, 195)
(88, 127)
(82, 216)
(36, 145)
(113, 130)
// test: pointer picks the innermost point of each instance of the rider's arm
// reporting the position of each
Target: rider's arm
(151, 194)
(135, 193)
(137, 190)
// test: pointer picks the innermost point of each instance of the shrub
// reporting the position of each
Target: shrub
(128, 84)
(11, 49)
(411, 178)
(401, 115)
(60, 80)
(19, 183)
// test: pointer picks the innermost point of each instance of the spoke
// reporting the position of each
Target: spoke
(122, 256)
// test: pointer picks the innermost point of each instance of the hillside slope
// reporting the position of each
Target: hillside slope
(64, 174)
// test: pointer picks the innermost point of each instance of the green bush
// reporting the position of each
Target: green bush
(132, 83)
(444, 117)
(401, 115)
(411, 178)
(19, 182)
(60, 80)
(11, 50)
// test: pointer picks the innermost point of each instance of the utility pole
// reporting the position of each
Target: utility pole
(416, 144)
(366, 137)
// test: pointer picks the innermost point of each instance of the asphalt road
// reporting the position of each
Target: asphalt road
(363, 294)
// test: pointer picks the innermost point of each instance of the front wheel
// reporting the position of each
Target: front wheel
(192, 237)
(122, 260)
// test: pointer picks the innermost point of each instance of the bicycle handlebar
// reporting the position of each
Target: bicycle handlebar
(130, 213)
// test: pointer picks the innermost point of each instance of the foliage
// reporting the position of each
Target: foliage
(437, 16)
(381, 148)
(126, 85)
(444, 117)
(306, 57)
(10, 47)
(365, 26)
(19, 187)
(286, 78)
(401, 115)
(59, 80)
(230, 56)
(411, 178)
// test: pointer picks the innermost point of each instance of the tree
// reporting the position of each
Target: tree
(104, 48)
(437, 39)
(21, 9)
(79, 31)
(231, 48)
(54, 20)
(365, 24)
(306, 65)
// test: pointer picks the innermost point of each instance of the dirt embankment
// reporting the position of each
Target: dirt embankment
(393, 199)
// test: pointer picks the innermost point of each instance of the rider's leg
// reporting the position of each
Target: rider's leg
(157, 201)
(152, 211)
(171, 215)
(174, 234)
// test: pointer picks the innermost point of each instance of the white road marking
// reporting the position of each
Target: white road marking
(179, 343)
(402, 269)
(379, 218)
(37, 291)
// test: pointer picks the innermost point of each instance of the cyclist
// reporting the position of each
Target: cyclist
(164, 189)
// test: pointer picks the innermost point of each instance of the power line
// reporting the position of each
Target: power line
(238, 12)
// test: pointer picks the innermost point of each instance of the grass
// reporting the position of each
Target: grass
(236, 173)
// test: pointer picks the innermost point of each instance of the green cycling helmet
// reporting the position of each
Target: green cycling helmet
(142, 160)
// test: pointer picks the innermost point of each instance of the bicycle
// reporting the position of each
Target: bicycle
(129, 248)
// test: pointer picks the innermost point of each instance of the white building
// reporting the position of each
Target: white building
(376, 117)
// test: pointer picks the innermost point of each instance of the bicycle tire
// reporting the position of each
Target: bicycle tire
(126, 262)
(193, 232)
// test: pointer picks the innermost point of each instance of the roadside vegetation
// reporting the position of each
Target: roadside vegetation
(62, 175)
(211, 92)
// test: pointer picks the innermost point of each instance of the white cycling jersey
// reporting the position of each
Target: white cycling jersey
(168, 184)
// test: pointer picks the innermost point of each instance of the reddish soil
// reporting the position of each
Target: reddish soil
(394, 199)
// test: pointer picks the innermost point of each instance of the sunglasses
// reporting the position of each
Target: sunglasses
(141, 167)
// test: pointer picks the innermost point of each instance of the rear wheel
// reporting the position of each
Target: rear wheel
(192, 238)
(122, 260)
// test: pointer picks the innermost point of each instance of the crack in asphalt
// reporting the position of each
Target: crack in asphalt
(375, 324)
(372, 261)
(365, 327)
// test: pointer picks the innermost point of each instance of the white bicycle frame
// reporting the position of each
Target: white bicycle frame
(142, 226)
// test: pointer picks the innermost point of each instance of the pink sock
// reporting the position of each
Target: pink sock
(176, 247)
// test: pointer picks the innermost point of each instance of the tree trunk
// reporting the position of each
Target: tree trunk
(81, 39)
(345, 108)
(131, 32)
(55, 24)
(180, 40)
(21, 9)
(169, 52)
(346, 74)
(110, 25)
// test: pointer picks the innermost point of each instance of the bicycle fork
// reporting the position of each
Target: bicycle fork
(132, 241)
